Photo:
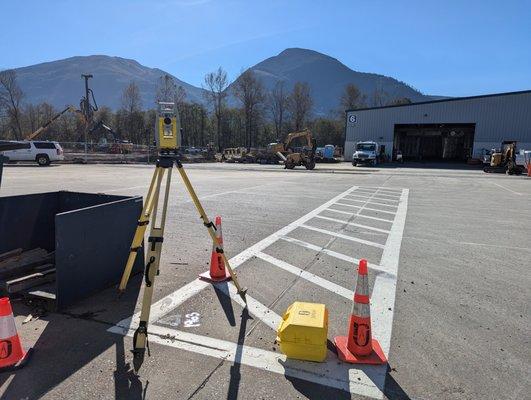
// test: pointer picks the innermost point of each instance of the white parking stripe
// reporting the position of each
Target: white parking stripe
(385, 189)
(366, 208)
(348, 294)
(359, 215)
(383, 292)
(364, 380)
(371, 228)
(388, 195)
(335, 254)
(342, 236)
(369, 197)
(369, 202)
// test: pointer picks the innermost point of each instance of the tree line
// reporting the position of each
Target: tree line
(252, 117)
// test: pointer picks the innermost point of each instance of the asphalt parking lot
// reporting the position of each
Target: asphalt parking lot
(448, 253)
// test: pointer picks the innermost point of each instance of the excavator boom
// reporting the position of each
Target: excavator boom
(33, 135)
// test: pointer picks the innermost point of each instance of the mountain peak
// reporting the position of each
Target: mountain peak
(299, 51)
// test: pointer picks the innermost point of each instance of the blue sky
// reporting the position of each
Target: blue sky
(454, 48)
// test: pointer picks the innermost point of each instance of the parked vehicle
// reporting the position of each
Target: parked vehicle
(326, 154)
(41, 152)
(504, 159)
(296, 156)
(366, 153)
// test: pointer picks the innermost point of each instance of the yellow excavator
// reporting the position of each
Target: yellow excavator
(292, 156)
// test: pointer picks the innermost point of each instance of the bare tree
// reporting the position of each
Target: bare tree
(166, 89)
(379, 97)
(216, 82)
(131, 100)
(180, 95)
(249, 90)
(278, 100)
(131, 108)
(11, 100)
(351, 98)
(300, 104)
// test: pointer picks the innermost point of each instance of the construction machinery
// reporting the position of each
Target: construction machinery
(45, 126)
(504, 159)
(295, 156)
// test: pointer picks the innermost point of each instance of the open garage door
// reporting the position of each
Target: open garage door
(434, 142)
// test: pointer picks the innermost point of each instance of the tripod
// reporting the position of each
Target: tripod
(164, 165)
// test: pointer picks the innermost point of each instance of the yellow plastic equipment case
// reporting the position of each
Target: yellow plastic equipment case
(303, 332)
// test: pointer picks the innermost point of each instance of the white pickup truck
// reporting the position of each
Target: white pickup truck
(39, 151)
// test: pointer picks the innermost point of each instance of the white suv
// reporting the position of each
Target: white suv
(41, 152)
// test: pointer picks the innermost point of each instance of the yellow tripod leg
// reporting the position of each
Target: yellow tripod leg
(143, 221)
(155, 240)
(210, 227)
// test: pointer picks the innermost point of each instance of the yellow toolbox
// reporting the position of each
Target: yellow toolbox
(303, 332)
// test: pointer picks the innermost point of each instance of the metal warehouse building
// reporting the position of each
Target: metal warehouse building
(450, 129)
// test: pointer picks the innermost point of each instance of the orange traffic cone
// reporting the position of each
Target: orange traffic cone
(12, 355)
(359, 347)
(217, 272)
(529, 168)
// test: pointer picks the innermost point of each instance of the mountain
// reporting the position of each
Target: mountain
(59, 82)
(327, 78)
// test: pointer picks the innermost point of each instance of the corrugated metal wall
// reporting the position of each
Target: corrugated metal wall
(497, 118)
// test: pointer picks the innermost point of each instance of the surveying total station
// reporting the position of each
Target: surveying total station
(168, 140)
(167, 132)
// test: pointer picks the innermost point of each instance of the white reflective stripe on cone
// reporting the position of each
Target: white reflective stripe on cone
(219, 234)
(7, 327)
(361, 310)
(362, 285)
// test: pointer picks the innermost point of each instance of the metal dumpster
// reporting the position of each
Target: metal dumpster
(90, 234)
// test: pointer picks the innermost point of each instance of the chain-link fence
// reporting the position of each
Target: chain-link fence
(126, 152)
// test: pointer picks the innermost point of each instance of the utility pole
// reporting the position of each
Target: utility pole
(87, 109)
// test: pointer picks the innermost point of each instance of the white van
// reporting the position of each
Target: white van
(42, 152)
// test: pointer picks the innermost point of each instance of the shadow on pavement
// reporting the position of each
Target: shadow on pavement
(235, 369)
(392, 390)
(222, 289)
(71, 340)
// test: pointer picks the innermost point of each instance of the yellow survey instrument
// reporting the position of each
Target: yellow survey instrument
(168, 141)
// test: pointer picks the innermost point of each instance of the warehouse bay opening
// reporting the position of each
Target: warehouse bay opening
(434, 142)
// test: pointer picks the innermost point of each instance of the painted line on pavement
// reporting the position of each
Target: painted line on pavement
(384, 290)
(364, 380)
(326, 284)
(396, 197)
(342, 236)
(357, 214)
(506, 188)
(335, 254)
(366, 208)
(368, 197)
(371, 228)
(370, 202)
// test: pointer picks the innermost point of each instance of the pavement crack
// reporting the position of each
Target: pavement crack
(207, 378)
